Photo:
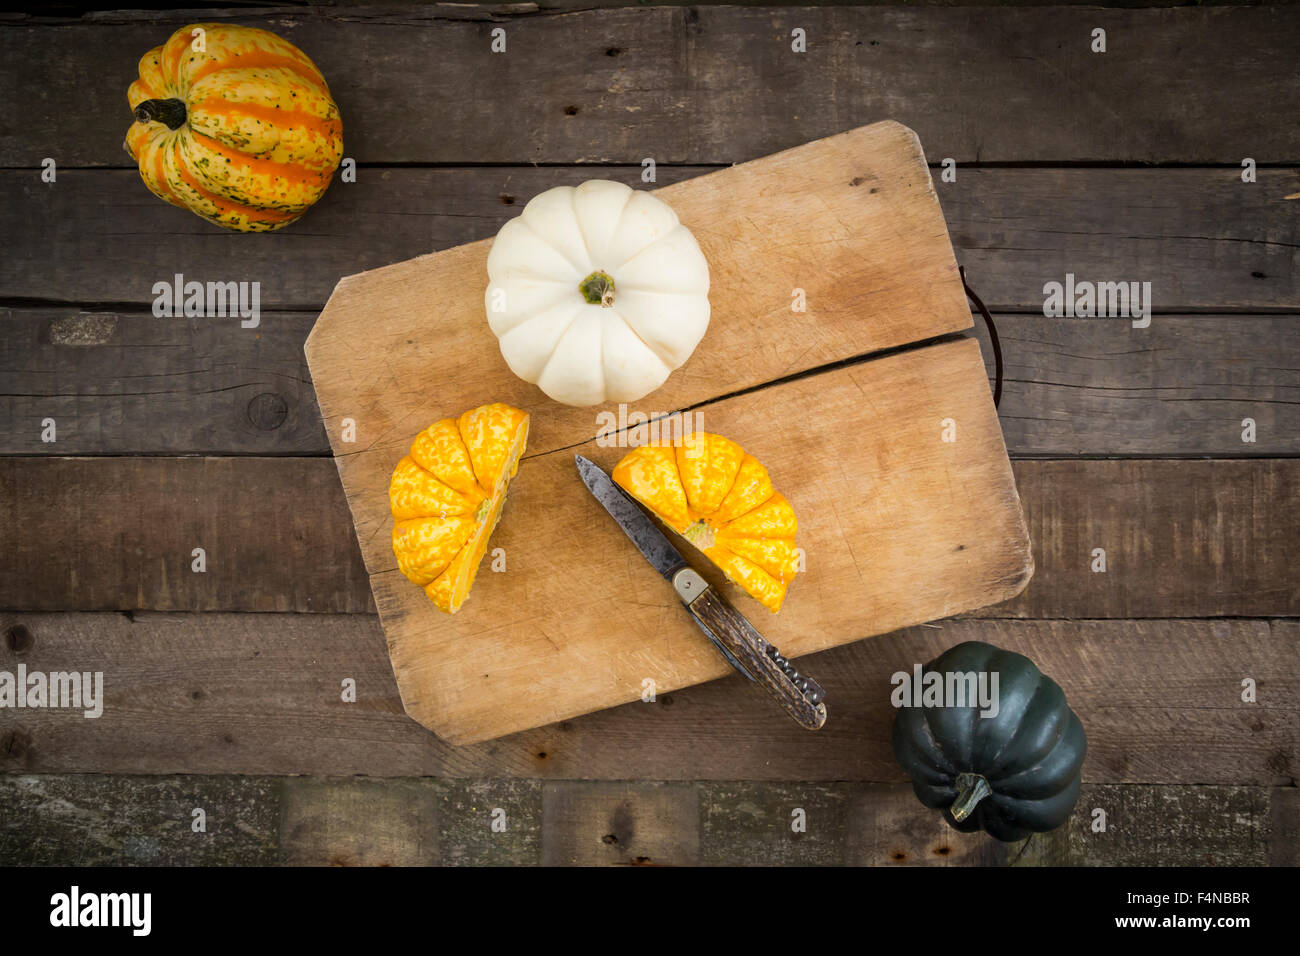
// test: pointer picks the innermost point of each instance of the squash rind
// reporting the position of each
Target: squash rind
(262, 136)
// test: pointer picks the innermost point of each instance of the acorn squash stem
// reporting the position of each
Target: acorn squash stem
(971, 789)
(171, 112)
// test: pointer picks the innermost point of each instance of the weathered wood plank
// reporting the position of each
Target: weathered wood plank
(107, 11)
(1182, 386)
(239, 693)
(1284, 827)
(1182, 538)
(783, 824)
(115, 820)
(718, 84)
(359, 822)
(1193, 826)
(491, 822)
(1193, 539)
(125, 242)
(130, 383)
(125, 383)
(93, 820)
(1203, 239)
(122, 533)
(884, 825)
(620, 823)
(883, 828)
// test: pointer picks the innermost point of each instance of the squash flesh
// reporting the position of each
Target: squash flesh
(447, 497)
(707, 489)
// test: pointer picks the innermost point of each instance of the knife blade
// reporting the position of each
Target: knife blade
(738, 640)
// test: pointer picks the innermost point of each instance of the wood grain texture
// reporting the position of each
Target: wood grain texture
(1210, 826)
(360, 822)
(852, 221)
(754, 824)
(121, 534)
(882, 828)
(125, 382)
(717, 84)
(1072, 387)
(1212, 538)
(124, 821)
(1198, 538)
(261, 693)
(620, 823)
(1284, 827)
(104, 10)
(1203, 238)
(93, 820)
(1182, 386)
(123, 239)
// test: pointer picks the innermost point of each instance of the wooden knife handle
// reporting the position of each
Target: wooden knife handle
(763, 661)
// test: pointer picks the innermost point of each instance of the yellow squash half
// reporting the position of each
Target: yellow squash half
(446, 497)
(234, 124)
(707, 489)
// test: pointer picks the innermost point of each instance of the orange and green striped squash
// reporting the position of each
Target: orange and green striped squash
(234, 124)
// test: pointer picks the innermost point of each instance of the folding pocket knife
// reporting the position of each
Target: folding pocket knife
(737, 639)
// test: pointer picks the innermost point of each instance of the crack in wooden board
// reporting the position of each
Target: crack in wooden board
(880, 273)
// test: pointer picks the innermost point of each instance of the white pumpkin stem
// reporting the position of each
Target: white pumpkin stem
(598, 289)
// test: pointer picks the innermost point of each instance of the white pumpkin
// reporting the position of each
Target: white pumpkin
(596, 293)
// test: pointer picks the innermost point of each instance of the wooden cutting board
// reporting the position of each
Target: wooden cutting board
(895, 464)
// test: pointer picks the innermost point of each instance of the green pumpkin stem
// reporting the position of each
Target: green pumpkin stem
(971, 789)
(598, 289)
(171, 112)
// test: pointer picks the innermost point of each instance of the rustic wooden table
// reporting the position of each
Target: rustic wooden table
(222, 689)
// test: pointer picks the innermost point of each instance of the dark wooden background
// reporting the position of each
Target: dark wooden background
(223, 688)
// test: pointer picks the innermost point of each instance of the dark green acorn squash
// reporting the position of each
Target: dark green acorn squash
(1011, 774)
